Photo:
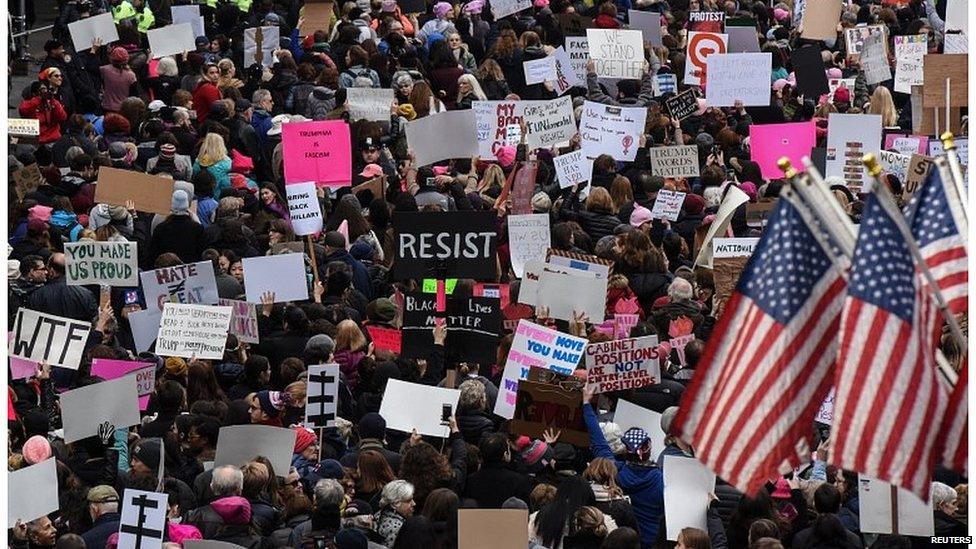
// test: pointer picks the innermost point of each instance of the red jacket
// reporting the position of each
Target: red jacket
(51, 113)
(204, 96)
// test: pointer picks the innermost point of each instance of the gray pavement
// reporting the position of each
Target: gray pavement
(46, 11)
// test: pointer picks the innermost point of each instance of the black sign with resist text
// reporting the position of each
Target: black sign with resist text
(445, 245)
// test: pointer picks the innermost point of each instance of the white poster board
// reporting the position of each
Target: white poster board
(171, 40)
(369, 104)
(85, 31)
(849, 138)
(322, 395)
(303, 207)
(191, 15)
(142, 524)
(874, 59)
(187, 283)
(84, 409)
(443, 136)
(617, 53)
(649, 23)
(674, 161)
(566, 75)
(528, 237)
(504, 8)
(42, 337)
(408, 406)
(605, 129)
(145, 327)
(32, 492)
(578, 49)
(628, 414)
(282, 274)
(565, 293)
(260, 44)
(239, 444)
(572, 169)
(550, 123)
(701, 45)
(193, 330)
(909, 61)
(687, 485)
(112, 263)
(914, 516)
(741, 77)
(667, 205)
(538, 71)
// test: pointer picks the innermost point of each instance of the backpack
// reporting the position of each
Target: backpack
(363, 73)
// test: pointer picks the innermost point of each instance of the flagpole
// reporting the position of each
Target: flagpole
(888, 203)
(955, 168)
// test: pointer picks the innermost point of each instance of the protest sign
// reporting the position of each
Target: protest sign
(493, 120)
(550, 123)
(674, 161)
(649, 23)
(811, 76)
(682, 105)
(566, 76)
(687, 488)
(385, 339)
(605, 129)
(189, 14)
(28, 127)
(239, 444)
(144, 372)
(26, 179)
(733, 247)
(700, 46)
(956, 16)
(369, 104)
(913, 516)
(108, 263)
(770, 142)
(855, 36)
(53, 339)
(628, 415)
(578, 49)
(317, 151)
(193, 330)
(142, 524)
(408, 406)
(504, 8)
(934, 148)
(150, 193)
(473, 326)
(918, 170)
(909, 55)
(895, 163)
(32, 491)
(83, 410)
(623, 364)
(567, 292)
(442, 244)
(303, 207)
(667, 205)
(322, 395)
(849, 138)
(617, 53)
(187, 283)
(733, 199)
(171, 40)
(528, 237)
(664, 83)
(259, 45)
(738, 77)
(492, 528)
(743, 39)
(706, 21)
(600, 267)
(21, 368)
(317, 16)
(541, 406)
(443, 136)
(904, 143)
(283, 275)
(243, 320)
(85, 31)
(874, 59)
(572, 169)
(538, 71)
(820, 19)
(936, 70)
(825, 414)
(955, 43)
(145, 327)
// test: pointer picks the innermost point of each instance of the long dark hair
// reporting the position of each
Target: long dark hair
(573, 494)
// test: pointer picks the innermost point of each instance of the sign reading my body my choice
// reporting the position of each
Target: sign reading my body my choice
(445, 244)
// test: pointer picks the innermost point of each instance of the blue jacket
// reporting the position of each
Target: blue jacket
(644, 485)
(104, 526)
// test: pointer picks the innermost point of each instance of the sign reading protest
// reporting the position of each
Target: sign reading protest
(528, 237)
(473, 327)
(317, 151)
(623, 364)
(674, 161)
(145, 374)
(243, 320)
(667, 205)
(617, 53)
(682, 105)
(108, 263)
(193, 330)
(736, 77)
(605, 129)
(550, 123)
(442, 244)
(188, 283)
(304, 209)
(541, 406)
(53, 339)
(700, 46)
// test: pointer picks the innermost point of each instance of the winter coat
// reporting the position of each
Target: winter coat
(205, 94)
(58, 299)
(349, 365)
(181, 235)
(474, 424)
(321, 101)
(49, 112)
(496, 482)
(220, 171)
(230, 510)
(348, 77)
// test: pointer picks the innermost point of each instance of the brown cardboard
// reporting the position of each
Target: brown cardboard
(540, 406)
(938, 67)
(150, 193)
(493, 528)
(918, 169)
(725, 272)
(26, 179)
(820, 19)
(318, 16)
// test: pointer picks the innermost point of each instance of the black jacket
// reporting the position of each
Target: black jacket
(474, 424)
(495, 483)
(180, 235)
(59, 299)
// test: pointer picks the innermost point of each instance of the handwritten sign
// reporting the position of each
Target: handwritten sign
(578, 49)
(369, 104)
(682, 105)
(566, 75)
(855, 36)
(825, 414)
(623, 364)
(193, 330)
(528, 237)
(909, 61)
(538, 71)
(42, 337)
(243, 320)
(733, 247)
(541, 406)
(550, 123)
(188, 283)
(667, 205)
(109, 263)
(605, 129)
(259, 45)
(617, 53)
(874, 59)
(738, 77)
(386, 339)
(572, 169)
(492, 120)
(317, 151)
(674, 161)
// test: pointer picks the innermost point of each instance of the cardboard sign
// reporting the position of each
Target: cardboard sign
(936, 68)
(918, 170)
(32, 492)
(239, 444)
(303, 208)
(85, 31)
(317, 16)
(855, 36)
(83, 410)
(820, 19)
(849, 138)
(243, 320)
(504, 8)
(150, 193)
(605, 129)
(682, 105)
(700, 46)
(915, 517)
(107, 263)
(741, 77)
(56, 340)
(142, 524)
(317, 151)
(617, 53)
(538, 71)
(550, 123)
(687, 485)
(443, 136)
(734, 247)
(572, 169)
(649, 23)
(145, 374)
(492, 528)
(541, 406)
(385, 339)
(667, 205)
(171, 40)
(811, 76)
(874, 59)
(26, 179)
(674, 161)
(193, 330)
(369, 104)
(623, 364)
(408, 406)
(459, 244)
(528, 237)
(627, 415)
(322, 395)
(566, 77)
(259, 45)
(191, 15)
(770, 142)
(188, 283)
(282, 274)
(566, 293)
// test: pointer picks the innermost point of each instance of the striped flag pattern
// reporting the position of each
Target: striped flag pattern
(750, 407)
(888, 403)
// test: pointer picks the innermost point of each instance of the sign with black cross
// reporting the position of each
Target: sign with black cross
(143, 519)
(321, 395)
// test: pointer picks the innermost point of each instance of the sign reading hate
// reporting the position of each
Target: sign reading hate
(193, 330)
(623, 364)
(188, 283)
(442, 244)
(108, 263)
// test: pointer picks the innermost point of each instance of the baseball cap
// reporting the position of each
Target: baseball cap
(102, 493)
(371, 171)
(639, 216)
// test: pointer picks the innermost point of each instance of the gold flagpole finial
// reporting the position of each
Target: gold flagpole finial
(871, 163)
(948, 142)
(787, 167)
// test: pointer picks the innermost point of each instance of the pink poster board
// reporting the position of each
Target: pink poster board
(770, 142)
(317, 151)
(144, 371)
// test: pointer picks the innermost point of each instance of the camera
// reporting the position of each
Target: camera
(447, 411)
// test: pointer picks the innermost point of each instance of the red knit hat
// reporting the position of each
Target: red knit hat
(303, 439)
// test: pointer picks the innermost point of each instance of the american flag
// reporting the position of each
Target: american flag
(955, 426)
(889, 403)
(750, 406)
(934, 225)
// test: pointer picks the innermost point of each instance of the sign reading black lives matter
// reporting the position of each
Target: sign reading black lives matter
(682, 105)
(445, 244)
(473, 325)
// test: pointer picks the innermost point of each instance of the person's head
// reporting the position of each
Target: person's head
(55, 266)
(349, 336)
(265, 406)
(203, 432)
(261, 99)
(494, 448)
(357, 56)
(622, 538)
(773, 543)
(826, 499)
(603, 471)
(398, 495)
(327, 493)
(144, 458)
(72, 541)
(42, 532)
(210, 72)
(416, 532)
(33, 269)
(102, 499)
(541, 495)
(763, 528)
(473, 396)
(681, 290)
(883, 104)
(227, 480)
(599, 201)
(467, 83)
(441, 505)
(374, 471)
(573, 493)
(54, 49)
(944, 498)
(212, 150)
(693, 538)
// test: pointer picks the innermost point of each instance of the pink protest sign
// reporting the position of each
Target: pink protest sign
(770, 142)
(317, 151)
(145, 375)
(21, 368)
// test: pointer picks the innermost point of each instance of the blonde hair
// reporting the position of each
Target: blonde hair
(470, 80)
(604, 472)
(883, 104)
(349, 336)
(599, 201)
(212, 150)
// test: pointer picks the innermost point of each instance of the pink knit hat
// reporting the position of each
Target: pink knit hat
(441, 9)
(36, 449)
(505, 156)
